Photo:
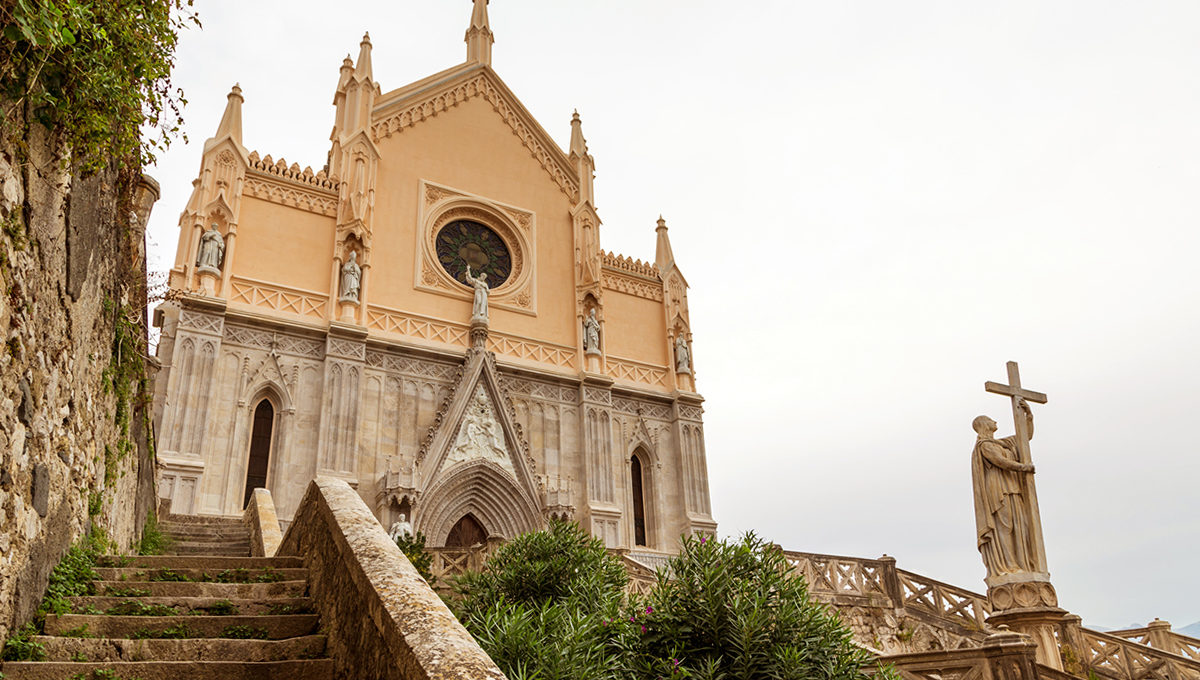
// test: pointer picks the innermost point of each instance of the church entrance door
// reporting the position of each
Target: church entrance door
(466, 533)
(639, 504)
(260, 448)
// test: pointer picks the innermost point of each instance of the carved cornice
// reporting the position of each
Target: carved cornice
(487, 85)
(269, 188)
(632, 285)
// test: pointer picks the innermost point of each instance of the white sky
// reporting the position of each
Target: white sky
(877, 204)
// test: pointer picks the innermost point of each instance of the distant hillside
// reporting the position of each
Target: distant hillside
(1192, 630)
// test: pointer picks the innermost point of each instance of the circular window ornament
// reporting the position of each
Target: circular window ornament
(466, 242)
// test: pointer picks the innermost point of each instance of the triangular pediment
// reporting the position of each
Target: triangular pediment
(425, 99)
(476, 423)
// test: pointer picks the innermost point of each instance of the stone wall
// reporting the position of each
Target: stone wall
(71, 261)
(382, 619)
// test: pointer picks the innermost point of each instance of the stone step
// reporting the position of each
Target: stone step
(102, 626)
(199, 521)
(214, 549)
(231, 591)
(308, 669)
(231, 533)
(198, 562)
(203, 649)
(216, 575)
(195, 606)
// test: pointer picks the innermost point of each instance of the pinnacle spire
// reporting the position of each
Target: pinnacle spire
(578, 143)
(479, 35)
(231, 121)
(362, 69)
(663, 257)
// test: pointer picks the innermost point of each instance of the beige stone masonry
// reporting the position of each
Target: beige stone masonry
(383, 620)
(263, 523)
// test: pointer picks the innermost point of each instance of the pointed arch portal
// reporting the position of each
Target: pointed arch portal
(639, 501)
(466, 533)
(260, 448)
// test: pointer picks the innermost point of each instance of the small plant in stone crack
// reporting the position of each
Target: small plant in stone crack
(126, 592)
(243, 575)
(219, 608)
(288, 609)
(167, 575)
(245, 633)
(179, 632)
(136, 608)
(79, 657)
(22, 647)
(80, 632)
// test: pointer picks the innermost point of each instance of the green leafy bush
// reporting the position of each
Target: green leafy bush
(95, 71)
(22, 646)
(154, 541)
(413, 548)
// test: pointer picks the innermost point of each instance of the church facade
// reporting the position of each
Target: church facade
(431, 318)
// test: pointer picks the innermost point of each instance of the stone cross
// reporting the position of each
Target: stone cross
(1015, 392)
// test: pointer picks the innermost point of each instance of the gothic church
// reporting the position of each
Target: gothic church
(447, 337)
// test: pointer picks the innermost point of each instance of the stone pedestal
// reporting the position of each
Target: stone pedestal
(1027, 603)
(592, 361)
(1039, 624)
(683, 381)
(208, 280)
(479, 332)
(349, 310)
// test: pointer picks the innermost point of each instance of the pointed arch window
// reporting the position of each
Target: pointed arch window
(639, 501)
(260, 448)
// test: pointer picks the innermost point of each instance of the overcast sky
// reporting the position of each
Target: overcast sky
(876, 204)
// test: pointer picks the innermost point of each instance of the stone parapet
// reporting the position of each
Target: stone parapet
(263, 524)
(382, 619)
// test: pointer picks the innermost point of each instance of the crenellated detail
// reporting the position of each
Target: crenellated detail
(629, 265)
(292, 173)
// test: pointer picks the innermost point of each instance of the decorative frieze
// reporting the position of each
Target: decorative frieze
(199, 321)
(305, 304)
(650, 290)
(282, 343)
(638, 372)
(291, 196)
(690, 412)
(348, 349)
(411, 367)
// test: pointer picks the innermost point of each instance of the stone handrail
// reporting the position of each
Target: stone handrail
(1002, 656)
(382, 620)
(1160, 636)
(843, 580)
(260, 518)
(1113, 656)
(966, 608)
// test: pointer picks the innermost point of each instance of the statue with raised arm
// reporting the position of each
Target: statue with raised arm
(479, 307)
(212, 249)
(351, 278)
(591, 334)
(683, 356)
(1004, 519)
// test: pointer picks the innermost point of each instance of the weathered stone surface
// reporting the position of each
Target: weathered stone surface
(315, 669)
(202, 649)
(58, 231)
(382, 619)
(263, 524)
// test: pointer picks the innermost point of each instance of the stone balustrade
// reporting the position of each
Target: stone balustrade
(263, 524)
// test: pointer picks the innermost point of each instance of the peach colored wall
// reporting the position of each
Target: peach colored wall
(634, 328)
(471, 149)
(284, 245)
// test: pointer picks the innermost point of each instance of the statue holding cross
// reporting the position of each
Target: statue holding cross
(1008, 524)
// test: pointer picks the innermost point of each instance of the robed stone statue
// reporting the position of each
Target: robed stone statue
(351, 278)
(212, 249)
(683, 356)
(479, 306)
(1004, 517)
(591, 333)
(400, 528)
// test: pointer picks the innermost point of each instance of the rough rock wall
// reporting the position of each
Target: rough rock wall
(71, 456)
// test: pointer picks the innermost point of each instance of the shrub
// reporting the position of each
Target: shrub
(154, 541)
(734, 609)
(548, 605)
(413, 548)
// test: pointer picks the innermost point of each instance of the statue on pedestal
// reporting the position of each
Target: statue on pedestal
(591, 334)
(683, 356)
(351, 278)
(1003, 518)
(479, 306)
(212, 249)
(400, 528)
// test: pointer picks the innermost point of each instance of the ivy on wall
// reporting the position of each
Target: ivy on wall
(97, 72)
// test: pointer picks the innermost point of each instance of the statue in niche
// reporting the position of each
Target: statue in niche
(479, 307)
(683, 357)
(591, 333)
(480, 435)
(351, 278)
(1003, 516)
(212, 249)
(401, 528)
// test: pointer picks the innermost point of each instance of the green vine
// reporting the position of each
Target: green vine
(97, 71)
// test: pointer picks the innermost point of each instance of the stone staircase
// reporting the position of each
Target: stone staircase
(208, 611)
